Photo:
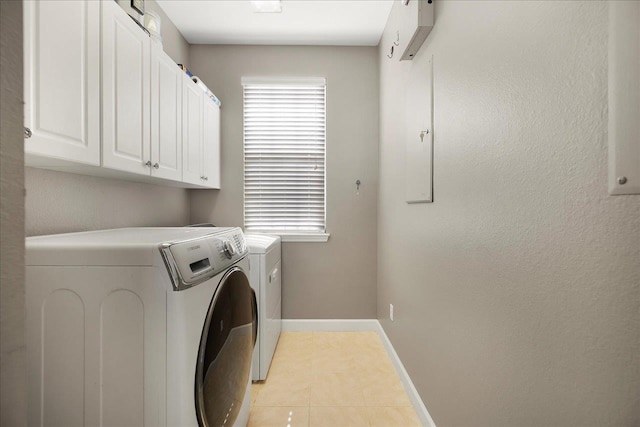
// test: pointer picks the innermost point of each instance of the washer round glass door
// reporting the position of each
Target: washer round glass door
(226, 348)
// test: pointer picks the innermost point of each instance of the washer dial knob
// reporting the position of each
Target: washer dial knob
(228, 249)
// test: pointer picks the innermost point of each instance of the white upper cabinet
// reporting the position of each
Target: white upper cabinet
(211, 144)
(62, 81)
(200, 137)
(126, 115)
(192, 103)
(103, 99)
(166, 115)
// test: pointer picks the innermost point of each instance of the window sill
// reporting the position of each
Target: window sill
(299, 237)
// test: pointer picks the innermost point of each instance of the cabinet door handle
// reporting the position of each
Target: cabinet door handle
(156, 165)
(148, 164)
(206, 178)
(27, 133)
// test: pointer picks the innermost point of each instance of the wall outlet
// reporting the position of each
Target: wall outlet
(391, 312)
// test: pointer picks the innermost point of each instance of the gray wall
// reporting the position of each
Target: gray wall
(13, 396)
(517, 293)
(60, 202)
(336, 279)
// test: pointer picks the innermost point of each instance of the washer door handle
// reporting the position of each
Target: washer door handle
(254, 308)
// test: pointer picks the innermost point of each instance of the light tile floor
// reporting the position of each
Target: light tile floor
(331, 379)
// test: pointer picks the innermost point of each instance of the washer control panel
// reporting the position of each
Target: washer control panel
(228, 248)
(193, 261)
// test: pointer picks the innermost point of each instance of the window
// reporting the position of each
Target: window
(284, 155)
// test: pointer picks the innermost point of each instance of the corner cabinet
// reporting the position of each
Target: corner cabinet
(103, 99)
(192, 103)
(62, 82)
(211, 144)
(201, 138)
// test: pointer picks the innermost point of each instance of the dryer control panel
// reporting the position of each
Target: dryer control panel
(193, 261)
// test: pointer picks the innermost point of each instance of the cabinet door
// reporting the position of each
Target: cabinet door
(125, 92)
(166, 115)
(211, 144)
(62, 79)
(192, 132)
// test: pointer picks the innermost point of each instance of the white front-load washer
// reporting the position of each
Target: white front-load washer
(140, 327)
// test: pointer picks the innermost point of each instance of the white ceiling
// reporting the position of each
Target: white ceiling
(301, 22)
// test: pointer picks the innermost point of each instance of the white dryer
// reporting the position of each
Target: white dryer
(140, 327)
(266, 272)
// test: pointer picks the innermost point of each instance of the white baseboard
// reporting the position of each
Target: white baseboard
(416, 401)
(330, 325)
(353, 325)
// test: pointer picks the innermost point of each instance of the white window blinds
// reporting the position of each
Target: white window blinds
(284, 155)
